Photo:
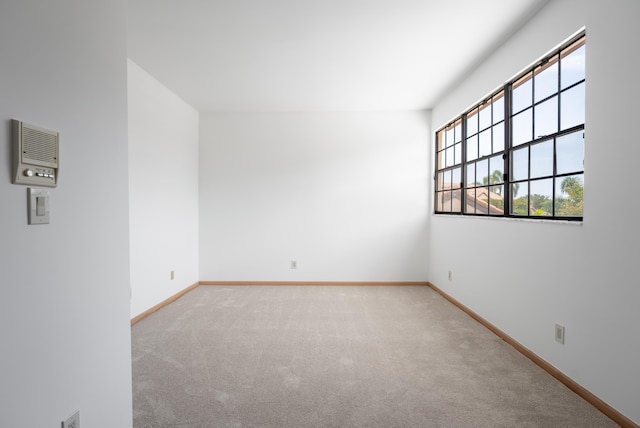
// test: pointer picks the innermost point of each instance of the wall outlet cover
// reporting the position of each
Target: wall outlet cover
(560, 333)
(72, 421)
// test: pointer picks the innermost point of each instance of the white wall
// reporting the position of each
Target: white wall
(64, 305)
(163, 191)
(526, 276)
(344, 194)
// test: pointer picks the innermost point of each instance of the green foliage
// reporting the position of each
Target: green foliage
(540, 205)
(498, 203)
(569, 204)
(520, 206)
(573, 204)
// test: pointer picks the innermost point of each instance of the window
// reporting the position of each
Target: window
(519, 152)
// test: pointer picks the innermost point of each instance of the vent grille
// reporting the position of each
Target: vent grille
(39, 146)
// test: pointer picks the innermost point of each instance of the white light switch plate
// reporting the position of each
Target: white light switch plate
(38, 206)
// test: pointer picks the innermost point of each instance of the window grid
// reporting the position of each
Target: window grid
(449, 154)
(519, 152)
(484, 167)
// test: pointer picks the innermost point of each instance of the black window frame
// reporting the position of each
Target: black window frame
(482, 143)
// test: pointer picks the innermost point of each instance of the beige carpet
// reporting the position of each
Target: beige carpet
(336, 356)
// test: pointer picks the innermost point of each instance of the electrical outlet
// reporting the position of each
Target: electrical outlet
(72, 421)
(173, 275)
(450, 275)
(560, 333)
(294, 264)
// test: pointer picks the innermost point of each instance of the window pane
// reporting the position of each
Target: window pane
(546, 79)
(496, 201)
(482, 200)
(470, 206)
(522, 125)
(458, 153)
(482, 172)
(546, 118)
(498, 138)
(472, 122)
(498, 107)
(443, 202)
(520, 164)
(542, 159)
(496, 168)
(520, 198)
(440, 181)
(572, 107)
(485, 116)
(438, 201)
(448, 137)
(570, 153)
(522, 90)
(471, 175)
(446, 180)
(440, 160)
(540, 202)
(449, 157)
(569, 196)
(456, 201)
(456, 178)
(572, 64)
(485, 143)
(440, 138)
(472, 148)
(457, 131)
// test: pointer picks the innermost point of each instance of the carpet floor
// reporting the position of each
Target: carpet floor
(336, 356)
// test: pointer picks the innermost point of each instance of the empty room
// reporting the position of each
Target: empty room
(296, 213)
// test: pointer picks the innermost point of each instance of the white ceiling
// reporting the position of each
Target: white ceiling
(316, 55)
